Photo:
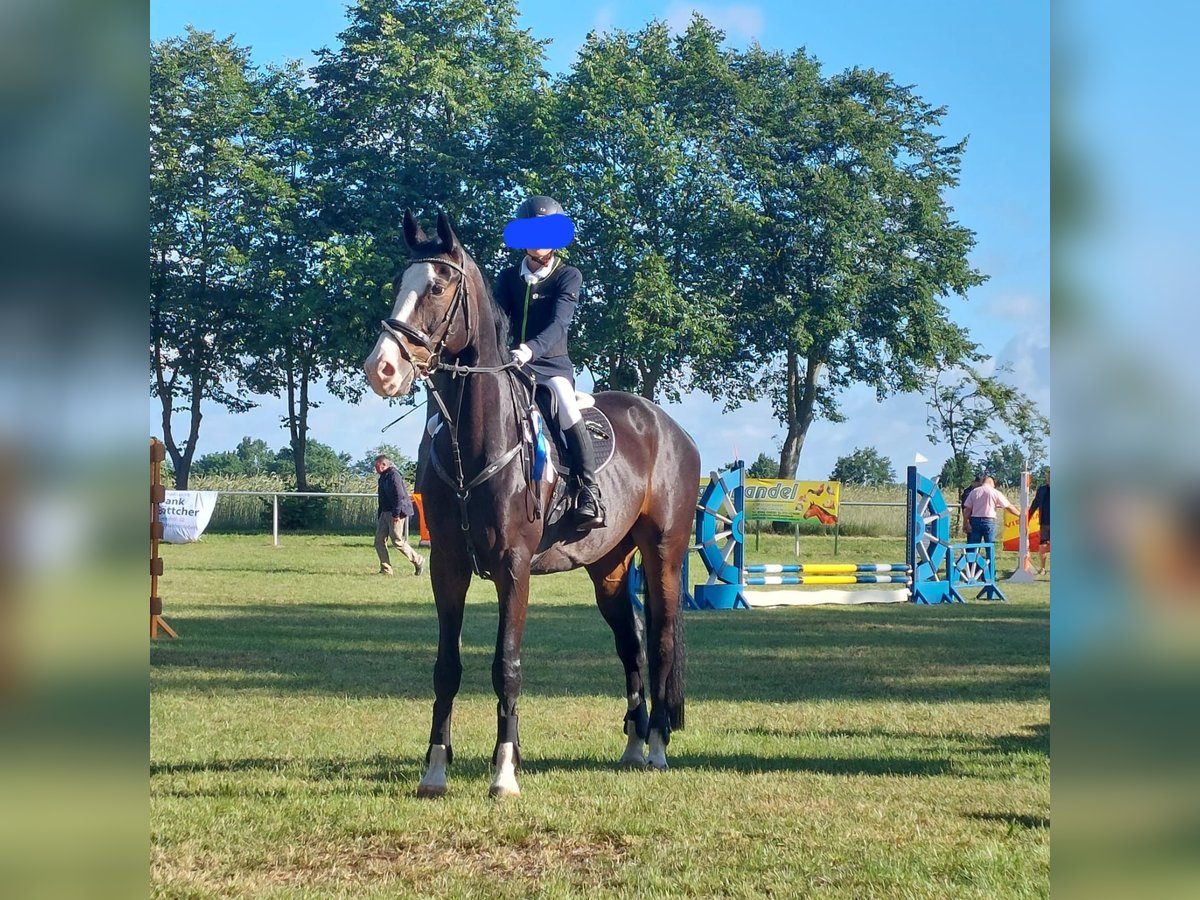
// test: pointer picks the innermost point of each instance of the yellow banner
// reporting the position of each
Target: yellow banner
(1011, 536)
(777, 500)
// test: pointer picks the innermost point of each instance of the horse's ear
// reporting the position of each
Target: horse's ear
(446, 232)
(414, 235)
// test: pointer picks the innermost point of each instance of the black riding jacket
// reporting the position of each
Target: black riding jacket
(540, 315)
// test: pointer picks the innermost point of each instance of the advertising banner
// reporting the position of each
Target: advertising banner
(185, 515)
(776, 500)
(1011, 535)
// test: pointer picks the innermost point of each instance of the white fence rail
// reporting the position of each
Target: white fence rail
(275, 495)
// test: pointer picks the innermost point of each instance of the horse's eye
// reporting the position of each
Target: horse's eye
(438, 289)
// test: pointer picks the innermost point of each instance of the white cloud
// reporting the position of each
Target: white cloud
(1018, 306)
(1028, 353)
(738, 20)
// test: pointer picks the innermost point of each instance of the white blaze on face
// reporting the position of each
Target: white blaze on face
(417, 279)
(386, 370)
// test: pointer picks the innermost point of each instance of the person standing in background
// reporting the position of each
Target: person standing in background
(981, 505)
(962, 502)
(1041, 505)
(395, 506)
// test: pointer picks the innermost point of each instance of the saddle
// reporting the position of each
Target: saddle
(599, 430)
(545, 449)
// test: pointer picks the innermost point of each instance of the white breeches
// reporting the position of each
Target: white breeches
(568, 408)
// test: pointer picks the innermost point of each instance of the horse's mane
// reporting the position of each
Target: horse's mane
(435, 247)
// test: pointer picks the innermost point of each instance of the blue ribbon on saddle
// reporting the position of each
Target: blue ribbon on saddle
(542, 470)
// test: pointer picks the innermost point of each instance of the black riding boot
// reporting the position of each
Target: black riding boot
(589, 512)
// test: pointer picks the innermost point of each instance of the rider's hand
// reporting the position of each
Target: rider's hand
(522, 354)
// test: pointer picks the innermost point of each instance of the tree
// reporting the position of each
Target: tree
(957, 472)
(967, 408)
(256, 458)
(849, 243)
(366, 465)
(325, 464)
(1005, 463)
(636, 121)
(763, 467)
(426, 104)
(224, 462)
(201, 96)
(864, 466)
(304, 278)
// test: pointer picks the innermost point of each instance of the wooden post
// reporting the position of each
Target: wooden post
(158, 493)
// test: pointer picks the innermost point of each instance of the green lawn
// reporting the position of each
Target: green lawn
(888, 751)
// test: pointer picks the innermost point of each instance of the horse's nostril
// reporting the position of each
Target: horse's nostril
(386, 369)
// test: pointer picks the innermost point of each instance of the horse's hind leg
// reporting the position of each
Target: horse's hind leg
(610, 575)
(662, 558)
(451, 578)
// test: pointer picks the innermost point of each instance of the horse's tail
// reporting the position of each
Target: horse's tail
(675, 677)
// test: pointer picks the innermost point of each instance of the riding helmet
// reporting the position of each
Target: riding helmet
(539, 205)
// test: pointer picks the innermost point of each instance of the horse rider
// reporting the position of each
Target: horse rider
(539, 296)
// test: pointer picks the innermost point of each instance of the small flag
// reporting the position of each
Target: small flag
(919, 458)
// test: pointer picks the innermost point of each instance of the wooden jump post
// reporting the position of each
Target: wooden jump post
(158, 493)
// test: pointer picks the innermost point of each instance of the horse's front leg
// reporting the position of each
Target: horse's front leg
(450, 578)
(512, 590)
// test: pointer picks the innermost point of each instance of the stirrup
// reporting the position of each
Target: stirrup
(586, 520)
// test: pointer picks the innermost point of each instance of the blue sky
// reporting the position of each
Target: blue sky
(988, 63)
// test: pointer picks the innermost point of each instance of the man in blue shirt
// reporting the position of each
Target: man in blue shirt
(395, 506)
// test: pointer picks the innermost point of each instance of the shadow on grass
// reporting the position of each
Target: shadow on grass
(1034, 738)
(392, 769)
(1013, 820)
(749, 763)
(386, 649)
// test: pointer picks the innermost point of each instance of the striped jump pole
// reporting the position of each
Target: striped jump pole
(859, 578)
(824, 568)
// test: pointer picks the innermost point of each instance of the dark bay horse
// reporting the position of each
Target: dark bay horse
(483, 514)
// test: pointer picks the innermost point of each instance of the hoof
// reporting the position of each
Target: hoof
(657, 766)
(505, 783)
(658, 751)
(633, 757)
(503, 791)
(434, 783)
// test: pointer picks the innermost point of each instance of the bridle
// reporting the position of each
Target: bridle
(426, 368)
(398, 330)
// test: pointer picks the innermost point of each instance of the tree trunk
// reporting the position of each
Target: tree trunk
(302, 433)
(651, 375)
(183, 473)
(801, 407)
(166, 397)
(293, 420)
(169, 442)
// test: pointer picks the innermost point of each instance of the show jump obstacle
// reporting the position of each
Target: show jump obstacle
(720, 541)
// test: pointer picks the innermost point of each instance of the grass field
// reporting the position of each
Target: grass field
(890, 751)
